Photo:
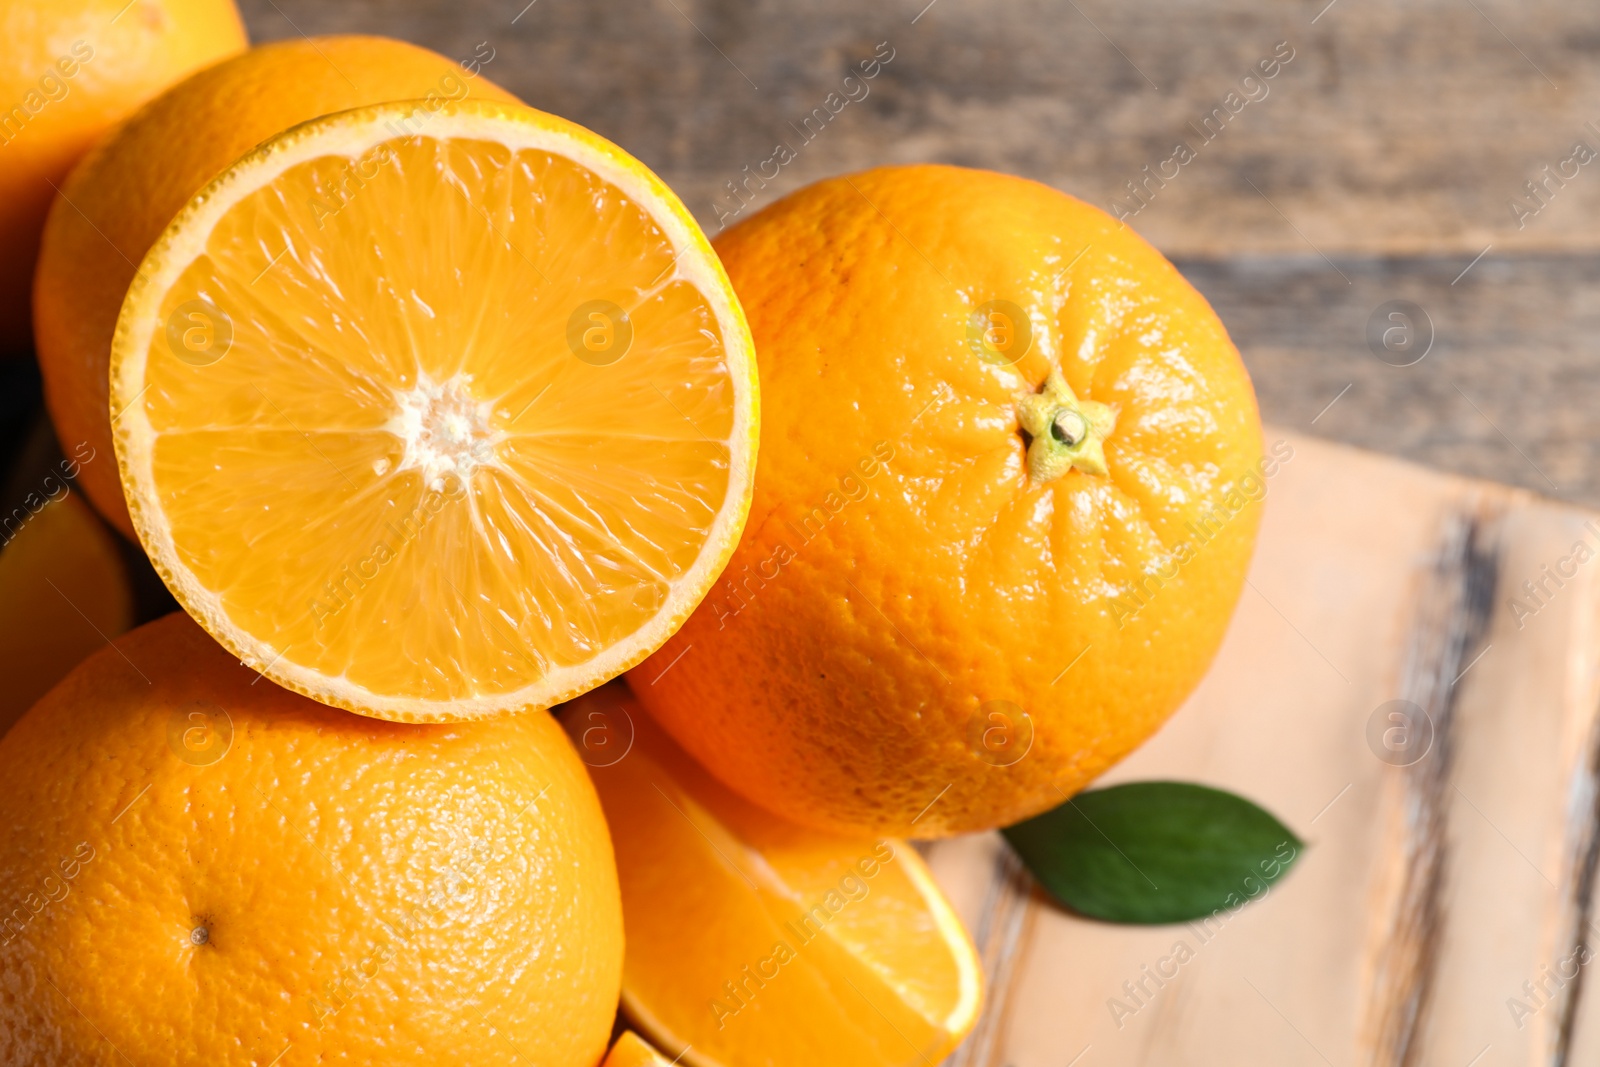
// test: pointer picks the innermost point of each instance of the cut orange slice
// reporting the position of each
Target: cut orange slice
(753, 940)
(434, 410)
(631, 1050)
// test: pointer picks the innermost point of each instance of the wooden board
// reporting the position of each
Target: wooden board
(1428, 893)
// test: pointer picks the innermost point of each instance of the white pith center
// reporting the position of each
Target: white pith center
(444, 429)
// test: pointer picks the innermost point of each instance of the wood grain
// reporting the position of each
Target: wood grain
(1427, 893)
(1450, 612)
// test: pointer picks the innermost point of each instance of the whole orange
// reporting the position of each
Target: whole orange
(69, 71)
(969, 583)
(117, 202)
(199, 867)
(63, 592)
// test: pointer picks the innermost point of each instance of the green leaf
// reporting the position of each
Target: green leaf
(1155, 852)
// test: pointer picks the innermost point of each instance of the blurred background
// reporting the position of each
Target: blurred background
(1385, 162)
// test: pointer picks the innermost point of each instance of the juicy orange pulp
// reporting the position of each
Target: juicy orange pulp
(753, 940)
(440, 422)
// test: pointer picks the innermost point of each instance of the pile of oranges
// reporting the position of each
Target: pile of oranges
(438, 414)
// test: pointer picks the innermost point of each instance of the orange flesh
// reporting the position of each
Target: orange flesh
(399, 449)
(753, 940)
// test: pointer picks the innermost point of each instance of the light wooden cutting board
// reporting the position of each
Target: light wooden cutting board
(1428, 893)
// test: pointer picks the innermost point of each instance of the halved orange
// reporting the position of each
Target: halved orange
(431, 410)
(753, 940)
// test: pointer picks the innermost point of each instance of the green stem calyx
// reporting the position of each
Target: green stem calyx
(1067, 432)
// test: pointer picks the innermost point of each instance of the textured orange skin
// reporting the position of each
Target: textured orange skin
(132, 55)
(449, 889)
(61, 562)
(132, 184)
(836, 673)
(130, 59)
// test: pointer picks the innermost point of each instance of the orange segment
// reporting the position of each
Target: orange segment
(633, 1051)
(434, 414)
(753, 940)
